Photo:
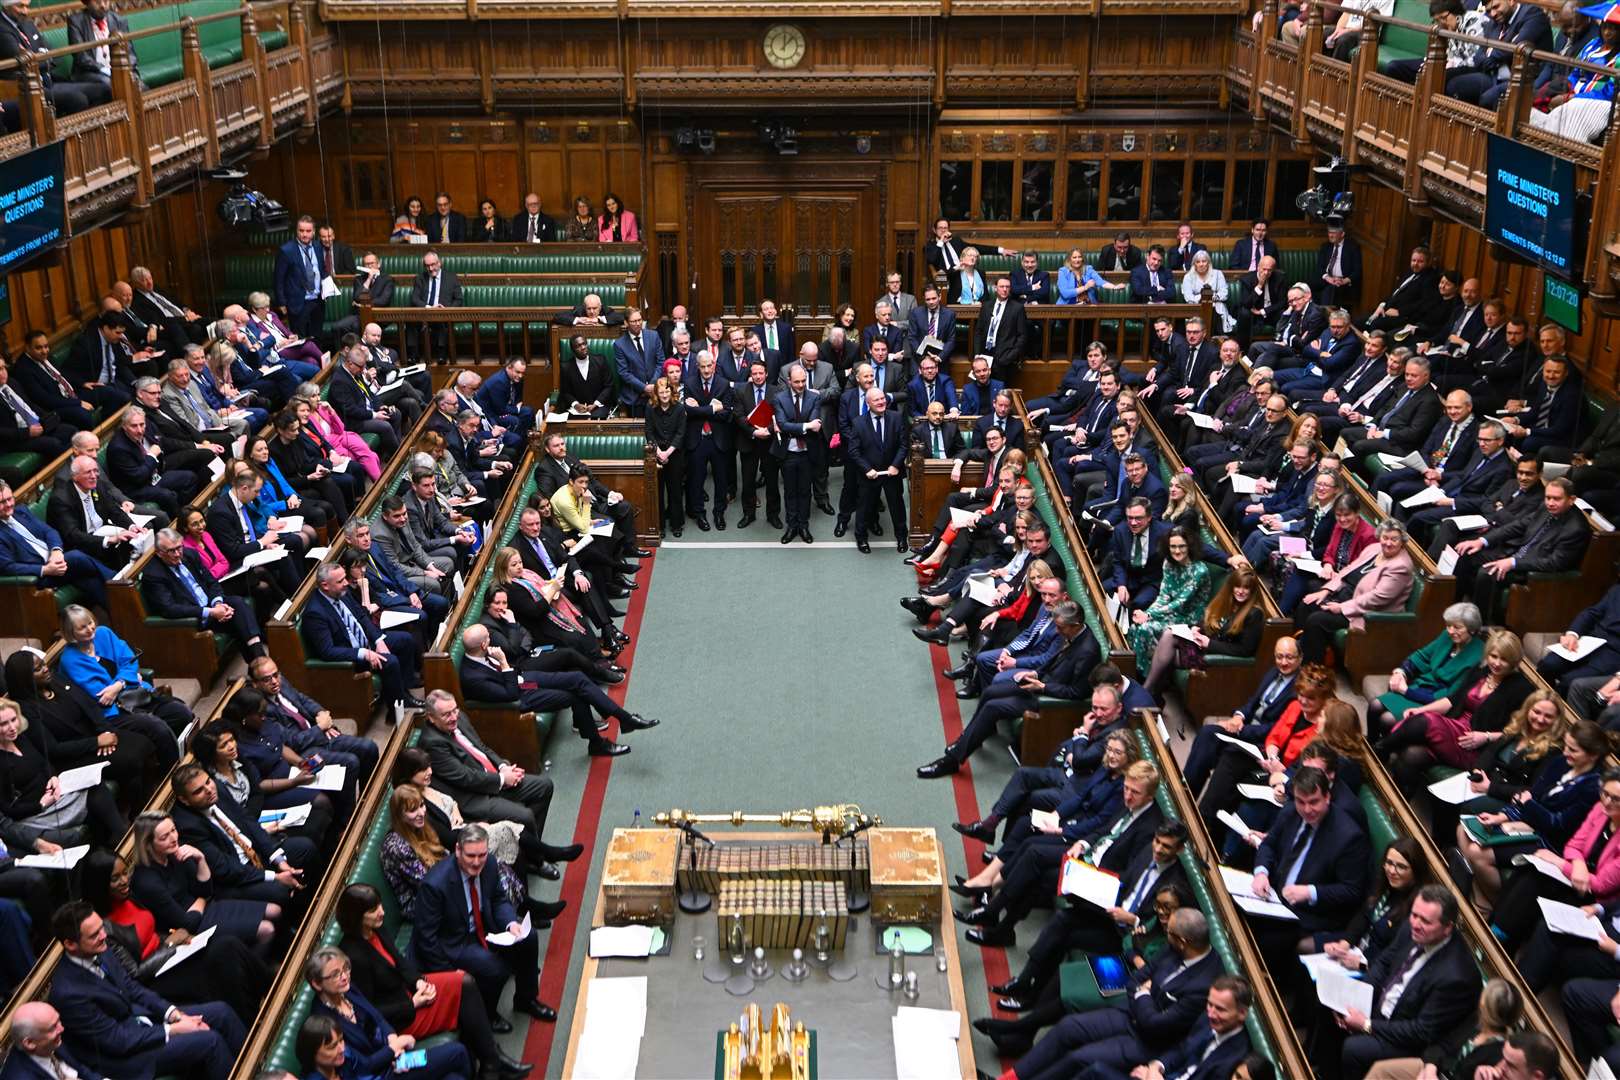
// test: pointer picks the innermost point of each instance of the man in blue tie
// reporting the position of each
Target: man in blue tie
(1033, 646)
(879, 449)
(1402, 426)
(298, 281)
(31, 548)
(338, 629)
(179, 586)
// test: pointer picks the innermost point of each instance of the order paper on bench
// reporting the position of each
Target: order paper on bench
(621, 941)
(1469, 522)
(330, 778)
(1203, 420)
(1447, 562)
(1586, 646)
(1341, 993)
(66, 859)
(390, 619)
(1453, 789)
(1569, 919)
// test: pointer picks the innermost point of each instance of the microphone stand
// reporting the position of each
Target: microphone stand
(693, 900)
(858, 899)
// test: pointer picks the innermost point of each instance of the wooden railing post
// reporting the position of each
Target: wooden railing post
(1514, 113)
(196, 69)
(127, 89)
(1431, 83)
(298, 35)
(1309, 48)
(1262, 59)
(38, 115)
(253, 52)
(1364, 64)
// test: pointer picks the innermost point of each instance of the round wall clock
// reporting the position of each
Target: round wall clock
(784, 46)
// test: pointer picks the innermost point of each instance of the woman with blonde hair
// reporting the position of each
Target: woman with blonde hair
(324, 419)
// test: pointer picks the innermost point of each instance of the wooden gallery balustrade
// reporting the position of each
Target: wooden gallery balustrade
(1414, 137)
(148, 140)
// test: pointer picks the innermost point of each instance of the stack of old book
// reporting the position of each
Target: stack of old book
(781, 913)
(718, 863)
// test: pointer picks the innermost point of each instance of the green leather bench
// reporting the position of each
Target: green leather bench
(588, 447)
(1397, 621)
(1399, 43)
(62, 594)
(599, 347)
(246, 272)
(159, 55)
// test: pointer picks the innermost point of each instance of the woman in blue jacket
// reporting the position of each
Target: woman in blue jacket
(372, 1048)
(104, 665)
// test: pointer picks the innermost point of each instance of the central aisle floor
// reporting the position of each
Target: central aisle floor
(785, 677)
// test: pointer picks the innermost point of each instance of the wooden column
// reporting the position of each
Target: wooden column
(1431, 83)
(126, 89)
(1364, 64)
(298, 36)
(253, 52)
(196, 69)
(1262, 60)
(1309, 47)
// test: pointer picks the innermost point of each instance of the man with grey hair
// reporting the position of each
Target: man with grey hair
(37, 1052)
(467, 388)
(88, 520)
(1402, 418)
(184, 400)
(176, 585)
(801, 446)
(886, 330)
(842, 351)
(180, 325)
(336, 628)
(358, 401)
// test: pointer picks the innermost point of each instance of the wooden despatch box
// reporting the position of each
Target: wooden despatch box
(638, 877)
(908, 876)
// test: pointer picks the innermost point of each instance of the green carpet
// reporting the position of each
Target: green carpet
(785, 677)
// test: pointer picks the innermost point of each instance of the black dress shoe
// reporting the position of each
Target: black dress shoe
(841, 527)
(629, 584)
(646, 553)
(609, 677)
(978, 830)
(919, 607)
(863, 547)
(805, 533)
(676, 532)
(774, 520)
(965, 692)
(548, 871)
(701, 522)
(546, 909)
(620, 636)
(515, 1071)
(937, 635)
(720, 522)
(989, 1025)
(745, 521)
(636, 722)
(876, 529)
(900, 544)
(606, 748)
(961, 671)
(978, 916)
(970, 892)
(615, 612)
(508, 1063)
(789, 536)
(565, 853)
(992, 936)
(537, 1009)
(825, 506)
(1013, 1004)
(1013, 987)
(500, 1025)
(942, 766)
(414, 702)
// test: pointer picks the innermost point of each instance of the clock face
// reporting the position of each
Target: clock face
(784, 46)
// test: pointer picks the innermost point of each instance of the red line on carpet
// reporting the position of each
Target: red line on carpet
(560, 948)
(967, 803)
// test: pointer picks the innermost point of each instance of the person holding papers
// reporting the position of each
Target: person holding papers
(336, 627)
(1436, 670)
(278, 497)
(171, 880)
(104, 665)
(540, 606)
(1358, 945)
(1379, 579)
(1229, 626)
(308, 465)
(540, 543)
(1299, 721)
(1398, 424)
(1136, 557)
(371, 1045)
(1027, 651)
(1350, 535)
(391, 589)
(955, 594)
(754, 414)
(32, 795)
(252, 761)
(1507, 762)
(176, 585)
(231, 523)
(1424, 984)
(1036, 872)
(89, 521)
(1467, 490)
(1450, 448)
(1601, 621)
(459, 905)
(1250, 722)
(1552, 541)
(1449, 730)
(1183, 591)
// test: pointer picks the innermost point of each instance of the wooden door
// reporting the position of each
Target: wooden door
(814, 249)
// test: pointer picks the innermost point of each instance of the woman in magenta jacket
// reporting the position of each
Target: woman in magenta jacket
(616, 225)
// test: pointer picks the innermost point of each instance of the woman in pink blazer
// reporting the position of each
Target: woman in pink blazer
(616, 225)
(325, 419)
(1591, 862)
(1379, 579)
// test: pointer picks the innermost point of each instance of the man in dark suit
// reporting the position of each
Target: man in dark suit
(1550, 415)
(1261, 297)
(1449, 448)
(884, 329)
(937, 438)
(532, 226)
(1000, 418)
(1035, 871)
(944, 253)
(336, 628)
(233, 530)
(1180, 257)
(26, 426)
(1600, 620)
(19, 35)
(1425, 983)
(928, 386)
(43, 384)
(979, 390)
(709, 429)
(307, 723)
(551, 472)
(445, 225)
(487, 675)
(801, 448)
(1136, 557)
(119, 1027)
(638, 355)
(1212, 1050)
(180, 326)
(31, 548)
(1030, 284)
(37, 1052)
(1513, 23)
(243, 861)
(435, 286)
(98, 22)
(1152, 283)
(1297, 327)
(1251, 721)
(775, 330)
(1248, 251)
(1001, 331)
(1338, 267)
(590, 311)
(357, 401)
(1121, 256)
(135, 463)
(1062, 675)
(80, 511)
(298, 281)
(489, 788)
(1400, 425)
(1549, 542)
(933, 319)
(336, 258)
(458, 905)
(101, 364)
(879, 450)
(1413, 297)
(1322, 359)
(501, 397)
(1470, 488)
(755, 447)
(391, 588)
(584, 384)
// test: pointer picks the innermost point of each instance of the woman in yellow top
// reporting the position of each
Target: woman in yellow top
(574, 508)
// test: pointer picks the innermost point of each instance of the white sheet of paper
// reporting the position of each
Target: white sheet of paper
(1042, 818)
(1414, 460)
(1233, 822)
(1428, 496)
(291, 523)
(556, 418)
(1293, 546)
(290, 818)
(1240, 883)
(85, 776)
(265, 555)
(189, 949)
(473, 500)
(1600, 1070)
(329, 288)
(1586, 646)
(602, 528)
(1085, 882)
(317, 553)
(216, 469)
(1453, 789)
(1115, 608)
(947, 1021)
(921, 1052)
(460, 584)
(330, 778)
(1247, 748)
(413, 369)
(1184, 632)
(1243, 485)
(1469, 522)
(605, 1054)
(500, 937)
(340, 463)
(962, 519)
(390, 619)
(1315, 567)
(621, 941)
(143, 520)
(1447, 562)
(618, 1004)
(1341, 993)
(982, 588)
(1203, 420)
(1569, 919)
(1386, 502)
(66, 859)
(1316, 963)
(108, 531)
(1545, 867)
(1260, 793)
